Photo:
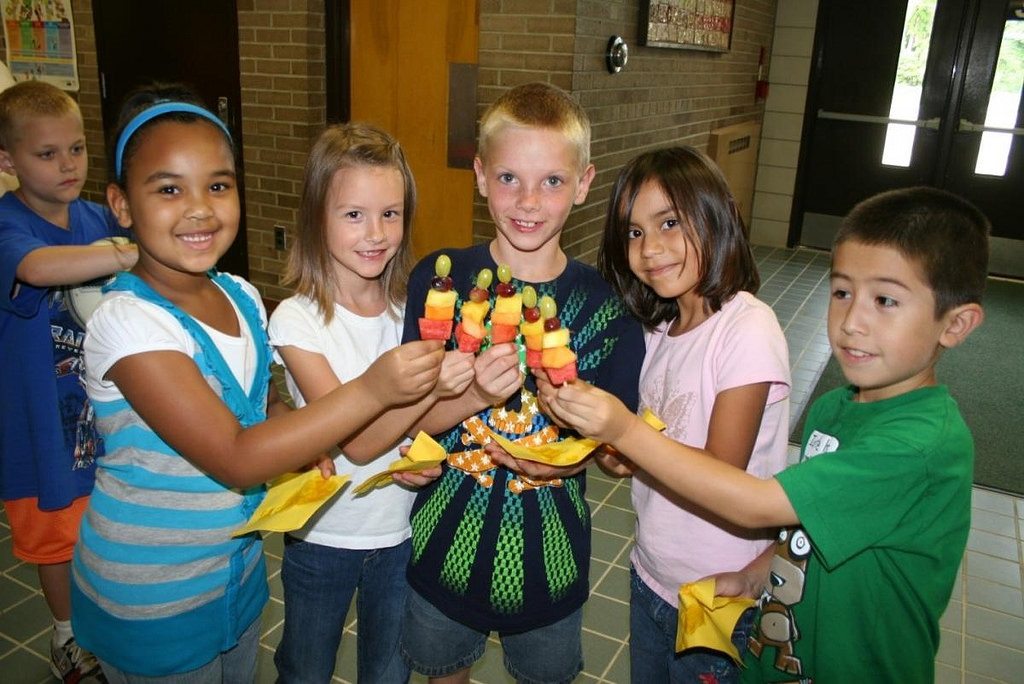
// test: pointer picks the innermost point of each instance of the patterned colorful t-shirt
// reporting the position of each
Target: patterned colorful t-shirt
(492, 550)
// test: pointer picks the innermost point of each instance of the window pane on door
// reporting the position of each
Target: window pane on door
(906, 91)
(1003, 102)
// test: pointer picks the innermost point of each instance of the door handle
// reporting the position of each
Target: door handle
(971, 127)
(931, 124)
(222, 110)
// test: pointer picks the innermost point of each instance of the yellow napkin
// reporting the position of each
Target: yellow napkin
(291, 501)
(653, 420)
(565, 453)
(423, 454)
(707, 620)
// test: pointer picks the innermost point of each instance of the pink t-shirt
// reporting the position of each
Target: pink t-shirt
(741, 344)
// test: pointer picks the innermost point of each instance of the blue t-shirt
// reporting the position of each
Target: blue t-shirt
(486, 552)
(48, 442)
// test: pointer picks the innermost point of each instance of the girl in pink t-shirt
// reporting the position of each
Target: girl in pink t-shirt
(716, 372)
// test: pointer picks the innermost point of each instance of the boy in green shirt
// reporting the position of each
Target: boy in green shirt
(875, 516)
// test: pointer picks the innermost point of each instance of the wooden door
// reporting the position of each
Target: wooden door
(408, 62)
(194, 42)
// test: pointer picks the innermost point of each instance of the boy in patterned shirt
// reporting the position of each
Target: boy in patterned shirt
(493, 550)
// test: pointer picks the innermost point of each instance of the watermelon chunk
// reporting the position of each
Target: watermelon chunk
(533, 358)
(503, 333)
(467, 342)
(435, 330)
(558, 376)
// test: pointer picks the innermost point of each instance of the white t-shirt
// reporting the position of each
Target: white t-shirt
(350, 343)
(739, 345)
(124, 325)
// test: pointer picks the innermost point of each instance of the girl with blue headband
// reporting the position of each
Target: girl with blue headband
(179, 374)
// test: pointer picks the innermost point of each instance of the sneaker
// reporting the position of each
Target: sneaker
(72, 664)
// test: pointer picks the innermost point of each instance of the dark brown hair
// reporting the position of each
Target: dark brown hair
(705, 207)
(942, 232)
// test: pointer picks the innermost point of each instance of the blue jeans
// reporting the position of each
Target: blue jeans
(435, 645)
(237, 666)
(652, 643)
(319, 582)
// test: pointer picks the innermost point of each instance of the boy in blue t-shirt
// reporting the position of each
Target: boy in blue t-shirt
(48, 443)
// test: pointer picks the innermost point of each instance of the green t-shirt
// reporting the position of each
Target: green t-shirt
(883, 494)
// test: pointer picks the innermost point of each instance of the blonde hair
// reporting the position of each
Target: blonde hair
(537, 105)
(309, 267)
(30, 99)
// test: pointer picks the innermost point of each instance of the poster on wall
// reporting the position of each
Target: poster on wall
(687, 24)
(40, 41)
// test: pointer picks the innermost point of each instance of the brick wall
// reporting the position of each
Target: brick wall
(88, 97)
(281, 54)
(662, 97)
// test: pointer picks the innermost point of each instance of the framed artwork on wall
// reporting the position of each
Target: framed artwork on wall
(687, 24)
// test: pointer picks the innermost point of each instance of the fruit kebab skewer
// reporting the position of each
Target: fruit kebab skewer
(532, 328)
(470, 331)
(439, 310)
(508, 306)
(558, 361)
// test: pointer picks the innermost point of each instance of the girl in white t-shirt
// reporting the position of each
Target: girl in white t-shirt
(350, 266)
(716, 371)
(178, 373)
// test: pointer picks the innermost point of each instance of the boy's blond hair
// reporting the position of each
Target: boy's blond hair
(538, 105)
(30, 99)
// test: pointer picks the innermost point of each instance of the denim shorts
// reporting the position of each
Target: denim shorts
(435, 645)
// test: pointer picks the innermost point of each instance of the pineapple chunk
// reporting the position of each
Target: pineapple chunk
(556, 338)
(530, 329)
(511, 305)
(475, 311)
(438, 299)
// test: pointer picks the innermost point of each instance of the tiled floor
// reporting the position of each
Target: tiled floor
(982, 631)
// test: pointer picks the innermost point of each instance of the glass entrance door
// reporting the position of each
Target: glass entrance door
(925, 92)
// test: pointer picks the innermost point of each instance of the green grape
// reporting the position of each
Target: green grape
(548, 309)
(529, 297)
(443, 265)
(484, 278)
(504, 273)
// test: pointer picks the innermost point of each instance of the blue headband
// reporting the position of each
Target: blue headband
(159, 109)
